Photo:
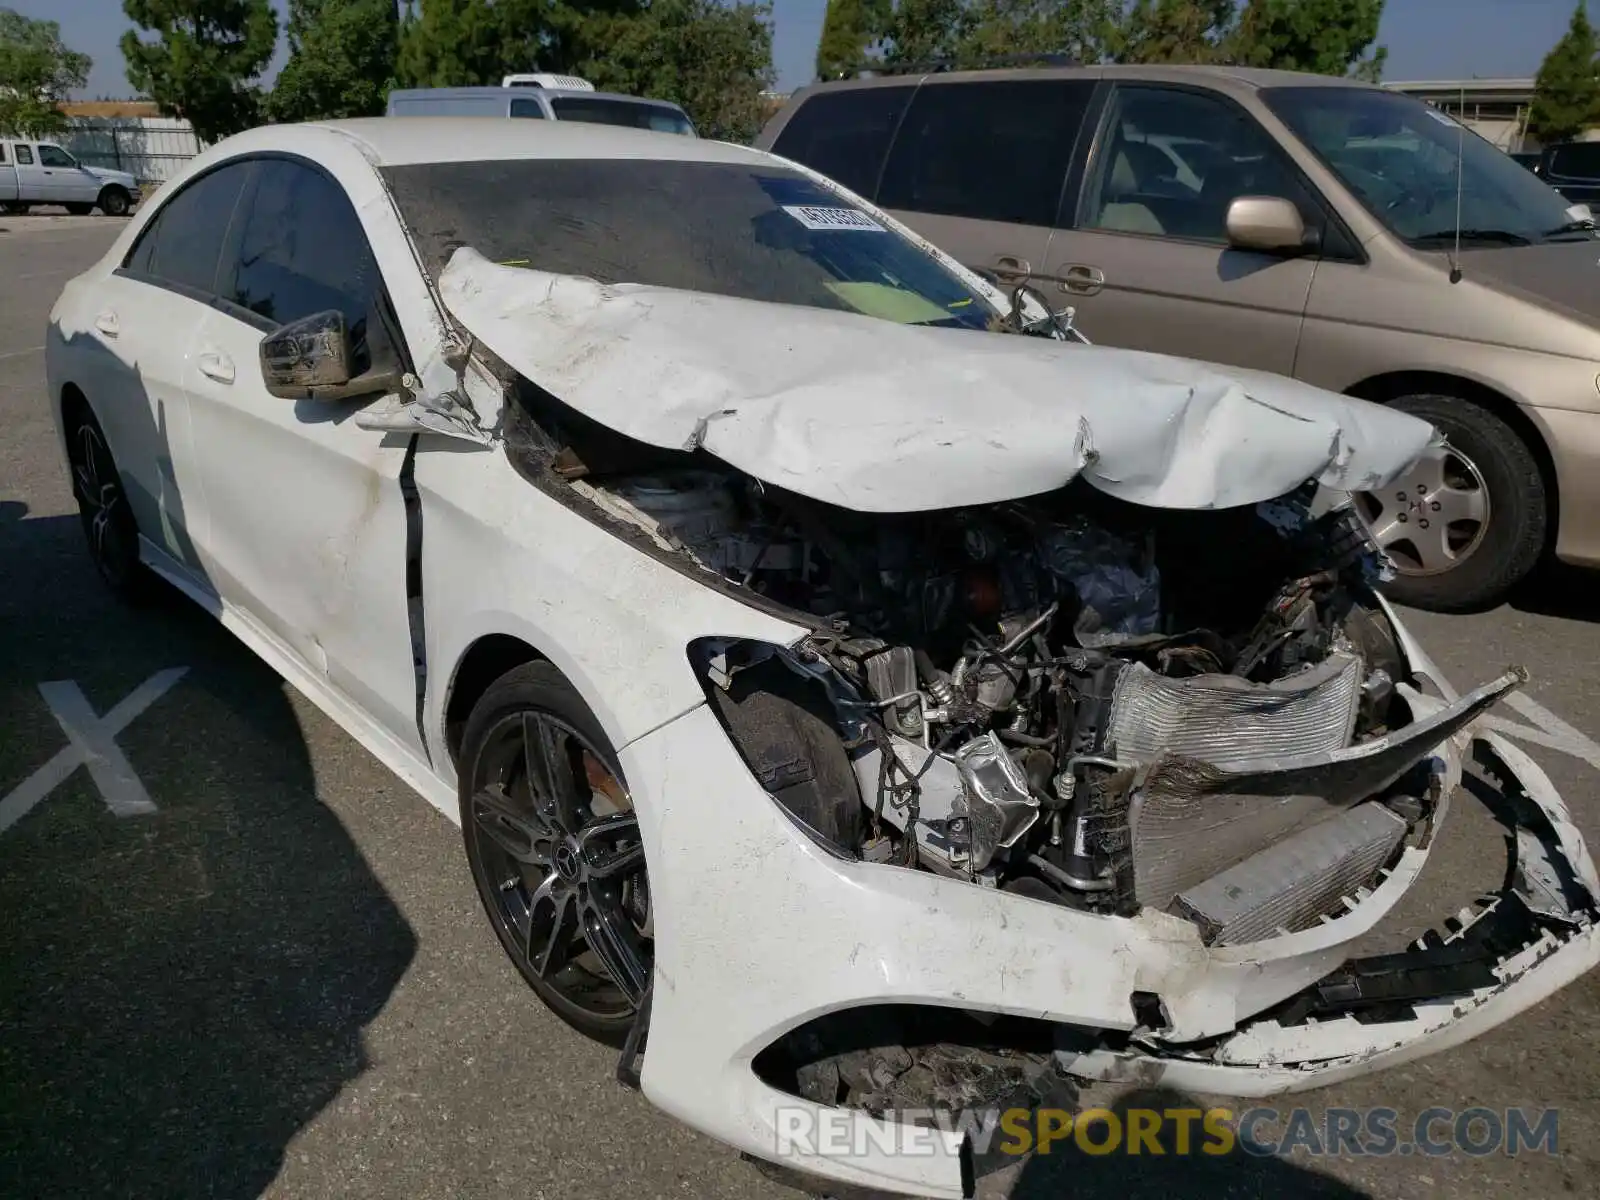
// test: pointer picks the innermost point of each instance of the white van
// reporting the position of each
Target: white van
(34, 172)
(542, 97)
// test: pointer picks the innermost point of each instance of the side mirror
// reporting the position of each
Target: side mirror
(312, 359)
(1269, 224)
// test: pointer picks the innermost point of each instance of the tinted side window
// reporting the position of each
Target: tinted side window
(996, 151)
(25, 156)
(54, 156)
(303, 250)
(845, 134)
(182, 244)
(527, 108)
(1173, 161)
(1581, 161)
(2, 152)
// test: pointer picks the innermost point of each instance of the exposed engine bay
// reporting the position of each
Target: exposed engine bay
(1069, 697)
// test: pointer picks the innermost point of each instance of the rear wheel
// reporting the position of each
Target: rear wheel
(108, 522)
(1469, 521)
(15, 208)
(555, 852)
(115, 201)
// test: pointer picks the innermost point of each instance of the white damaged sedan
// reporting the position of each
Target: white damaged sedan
(855, 694)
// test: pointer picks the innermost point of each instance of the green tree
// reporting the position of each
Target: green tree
(462, 43)
(205, 61)
(849, 28)
(1173, 31)
(1080, 29)
(711, 58)
(341, 60)
(1327, 37)
(1566, 92)
(36, 72)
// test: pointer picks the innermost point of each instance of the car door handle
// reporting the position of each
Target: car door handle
(1010, 267)
(107, 323)
(215, 365)
(1081, 279)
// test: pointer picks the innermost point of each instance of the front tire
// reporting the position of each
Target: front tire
(115, 201)
(554, 848)
(1467, 524)
(103, 507)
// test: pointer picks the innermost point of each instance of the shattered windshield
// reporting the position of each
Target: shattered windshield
(1398, 156)
(750, 231)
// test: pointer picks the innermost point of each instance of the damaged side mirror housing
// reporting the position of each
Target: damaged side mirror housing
(313, 359)
(1268, 224)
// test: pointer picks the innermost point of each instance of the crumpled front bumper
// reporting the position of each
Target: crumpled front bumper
(759, 930)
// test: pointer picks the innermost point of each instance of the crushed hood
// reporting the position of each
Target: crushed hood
(880, 417)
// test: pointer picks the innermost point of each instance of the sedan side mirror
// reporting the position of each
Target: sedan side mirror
(312, 359)
(1269, 224)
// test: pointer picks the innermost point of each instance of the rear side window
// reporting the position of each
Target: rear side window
(997, 151)
(1581, 161)
(25, 156)
(2, 152)
(302, 251)
(845, 134)
(527, 108)
(182, 244)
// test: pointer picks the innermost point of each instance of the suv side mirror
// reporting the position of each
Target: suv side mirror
(1269, 224)
(312, 359)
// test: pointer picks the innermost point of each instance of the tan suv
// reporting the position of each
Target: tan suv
(1286, 222)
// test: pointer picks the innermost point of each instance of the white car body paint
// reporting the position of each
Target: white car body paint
(504, 557)
(882, 417)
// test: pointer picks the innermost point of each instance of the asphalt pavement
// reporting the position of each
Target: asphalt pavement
(278, 980)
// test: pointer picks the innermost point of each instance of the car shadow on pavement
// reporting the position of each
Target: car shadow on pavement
(180, 991)
(1192, 1175)
(1556, 589)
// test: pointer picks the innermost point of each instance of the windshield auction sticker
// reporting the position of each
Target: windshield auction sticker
(814, 216)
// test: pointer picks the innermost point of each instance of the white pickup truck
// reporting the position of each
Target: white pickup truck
(43, 173)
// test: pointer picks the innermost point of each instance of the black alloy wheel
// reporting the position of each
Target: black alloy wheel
(555, 851)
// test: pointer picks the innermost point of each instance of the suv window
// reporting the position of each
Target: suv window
(597, 110)
(24, 155)
(55, 156)
(1172, 161)
(527, 108)
(1580, 161)
(2, 152)
(996, 151)
(302, 251)
(182, 244)
(845, 134)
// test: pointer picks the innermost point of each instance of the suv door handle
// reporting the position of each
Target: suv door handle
(1010, 267)
(215, 365)
(107, 323)
(1082, 279)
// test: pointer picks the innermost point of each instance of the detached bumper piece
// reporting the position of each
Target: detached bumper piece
(1490, 963)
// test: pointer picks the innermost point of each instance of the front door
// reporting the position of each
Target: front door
(1147, 264)
(977, 168)
(69, 183)
(305, 520)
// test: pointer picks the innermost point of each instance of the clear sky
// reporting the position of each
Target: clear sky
(1427, 39)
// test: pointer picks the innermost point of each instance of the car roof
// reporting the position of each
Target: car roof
(1244, 78)
(403, 141)
(489, 91)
